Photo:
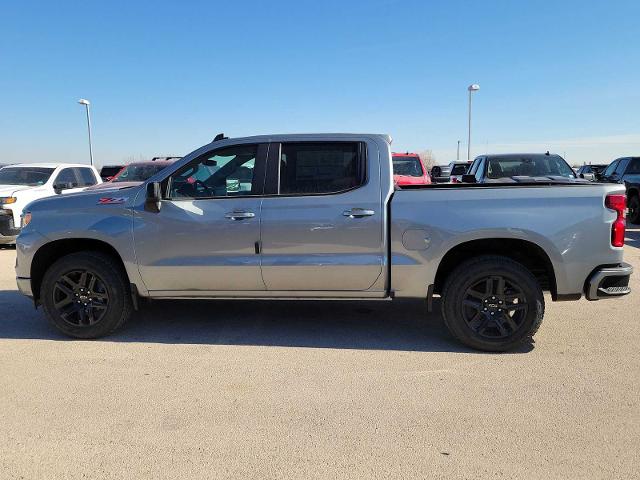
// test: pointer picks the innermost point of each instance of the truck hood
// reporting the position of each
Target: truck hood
(409, 180)
(87, 200)
(8, 190)
(113, 186)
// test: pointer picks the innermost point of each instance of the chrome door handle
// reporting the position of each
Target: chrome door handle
(239, 215)
(358, 213)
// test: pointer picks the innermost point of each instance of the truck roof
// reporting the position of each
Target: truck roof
(281, 137)
(48, 165)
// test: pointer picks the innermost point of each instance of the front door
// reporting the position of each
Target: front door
(206, 236)
(322, 225)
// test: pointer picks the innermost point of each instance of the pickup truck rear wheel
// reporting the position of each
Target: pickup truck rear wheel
(86, 295)
(634, 209)
(492, 303)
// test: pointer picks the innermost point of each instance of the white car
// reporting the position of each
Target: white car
(22, 184)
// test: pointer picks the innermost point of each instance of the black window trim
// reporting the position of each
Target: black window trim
(258, 174)
(272, 182)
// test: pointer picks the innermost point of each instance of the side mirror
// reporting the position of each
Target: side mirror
(59, 187)
(468, 178)
(153, 199)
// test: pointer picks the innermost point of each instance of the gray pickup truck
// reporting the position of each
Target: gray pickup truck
(318, 217)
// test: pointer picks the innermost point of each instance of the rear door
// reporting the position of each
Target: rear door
(322, 224)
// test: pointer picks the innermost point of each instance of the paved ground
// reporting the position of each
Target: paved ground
(318, 390)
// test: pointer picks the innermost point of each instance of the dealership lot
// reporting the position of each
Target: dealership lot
(316, 389)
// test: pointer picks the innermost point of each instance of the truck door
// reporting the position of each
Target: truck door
(322, 222)
(206, 235)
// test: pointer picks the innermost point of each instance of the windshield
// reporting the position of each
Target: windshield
(528, 166)
(31, 176)
(459, 169)
(408, 166)
(138, 173)
(611, 168)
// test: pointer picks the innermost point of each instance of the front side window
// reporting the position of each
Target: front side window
(27, 176)
(87, 177)
(320, 168)
(407, 165)
(227, 172)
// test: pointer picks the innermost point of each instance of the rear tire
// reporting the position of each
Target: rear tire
(634, 209)
(86, 295)
(492, 303)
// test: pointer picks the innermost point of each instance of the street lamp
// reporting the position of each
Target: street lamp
(86, 103)
(472, 88)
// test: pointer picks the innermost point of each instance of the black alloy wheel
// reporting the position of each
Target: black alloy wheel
(80, 298)
(494, 307)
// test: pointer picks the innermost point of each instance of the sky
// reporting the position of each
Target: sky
(165, 77)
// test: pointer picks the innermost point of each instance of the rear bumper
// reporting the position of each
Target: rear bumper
(609, 282)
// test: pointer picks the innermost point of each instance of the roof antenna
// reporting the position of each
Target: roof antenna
(220, 136)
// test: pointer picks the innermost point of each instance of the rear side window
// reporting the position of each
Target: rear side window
(323, 167)
(634, 166)
(87, 178)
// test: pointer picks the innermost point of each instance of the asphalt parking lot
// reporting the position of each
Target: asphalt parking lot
(318, 390)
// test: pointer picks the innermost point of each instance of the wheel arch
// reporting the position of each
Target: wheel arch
(50, 252)
(530, 255)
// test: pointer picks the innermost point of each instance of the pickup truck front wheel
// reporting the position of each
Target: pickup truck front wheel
(492, 303)
(85, 295)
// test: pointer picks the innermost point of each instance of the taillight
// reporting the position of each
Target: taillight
(618, 203)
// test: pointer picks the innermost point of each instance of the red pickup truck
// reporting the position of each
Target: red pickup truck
(409, 169)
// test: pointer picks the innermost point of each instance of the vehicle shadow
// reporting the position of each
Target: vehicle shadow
(397, 325)
(632, 237)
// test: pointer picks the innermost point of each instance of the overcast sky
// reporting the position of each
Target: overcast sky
(165, 77)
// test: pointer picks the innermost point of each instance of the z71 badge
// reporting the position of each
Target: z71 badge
(111, 200)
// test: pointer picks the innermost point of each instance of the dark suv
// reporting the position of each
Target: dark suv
(626, 170)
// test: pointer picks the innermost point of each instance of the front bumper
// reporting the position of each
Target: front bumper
(608, 282)
(24, 285)
(8, 231)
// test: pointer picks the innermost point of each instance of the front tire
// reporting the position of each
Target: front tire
(492, 303)
(86, 295)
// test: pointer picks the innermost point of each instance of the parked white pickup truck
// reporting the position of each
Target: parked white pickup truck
(22, 184)
(318, 216)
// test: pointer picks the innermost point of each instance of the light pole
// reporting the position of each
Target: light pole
(472, 88)
(458, 151)
(86, 103)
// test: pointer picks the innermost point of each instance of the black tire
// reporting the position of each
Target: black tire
(482, 318)
(634, 209)
(92, 312)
